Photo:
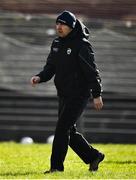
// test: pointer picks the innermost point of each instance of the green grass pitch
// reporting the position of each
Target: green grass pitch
(20, 161)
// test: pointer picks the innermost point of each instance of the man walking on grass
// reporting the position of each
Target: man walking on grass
(76, 77)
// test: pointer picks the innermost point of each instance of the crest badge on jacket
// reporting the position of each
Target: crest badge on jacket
(69, 51)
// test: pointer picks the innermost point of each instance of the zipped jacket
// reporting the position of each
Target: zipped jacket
(71, 61)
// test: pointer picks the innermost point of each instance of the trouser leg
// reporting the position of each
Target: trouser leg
(81, 147)
(70, 110)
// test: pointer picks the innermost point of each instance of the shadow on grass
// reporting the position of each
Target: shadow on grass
(120, 162)
(19, 173)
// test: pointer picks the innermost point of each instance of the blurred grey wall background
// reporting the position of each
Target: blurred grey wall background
(26, 32)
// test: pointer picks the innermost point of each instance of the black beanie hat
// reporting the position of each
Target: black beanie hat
(68, 18)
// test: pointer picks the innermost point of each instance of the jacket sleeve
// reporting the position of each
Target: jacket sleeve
(48, 71)
(89, 69)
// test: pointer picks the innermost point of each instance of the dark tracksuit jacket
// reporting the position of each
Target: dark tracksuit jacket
(71, 60)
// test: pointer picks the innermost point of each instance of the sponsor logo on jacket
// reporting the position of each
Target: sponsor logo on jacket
(55, 49)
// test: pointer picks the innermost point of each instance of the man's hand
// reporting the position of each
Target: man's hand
(35, 80)
(98, 103)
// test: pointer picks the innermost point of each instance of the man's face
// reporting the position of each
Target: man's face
(62, 29)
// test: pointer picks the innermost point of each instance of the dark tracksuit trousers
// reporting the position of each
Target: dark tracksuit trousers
(70, 110)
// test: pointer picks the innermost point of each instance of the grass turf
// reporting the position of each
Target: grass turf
(18, 161)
